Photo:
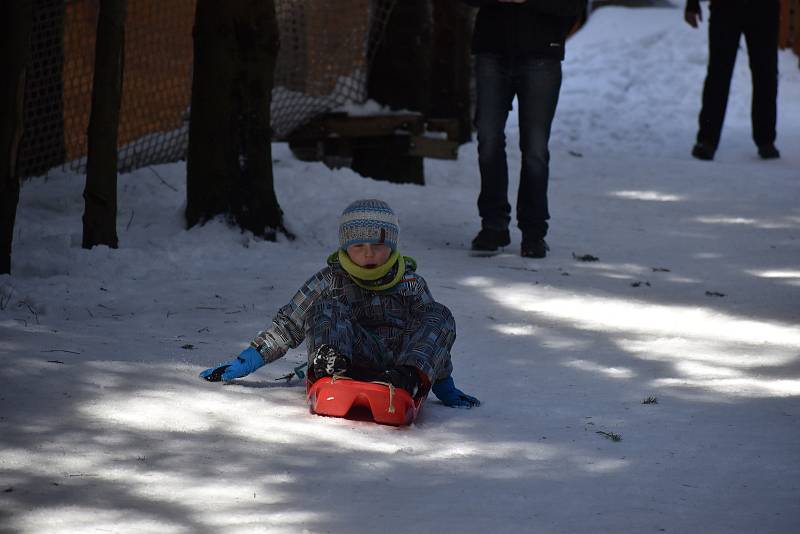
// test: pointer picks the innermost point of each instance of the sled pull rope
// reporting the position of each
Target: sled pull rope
(391, 398)
(391, 394)
(334, 378)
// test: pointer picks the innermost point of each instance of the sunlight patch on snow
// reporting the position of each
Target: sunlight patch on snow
(72, 519)
(300, 429)
(710, 352)
(477, 281)
(613, 372)
(515, 329)
(682, 279)
(228, 486)
(765, 224)
(153, 411)
(19, 458)
(775, 274)
(289, 519)
(614, 272)
(721, 219)
(491, 451)
(50, 461)
(698, 369)
(605, 466)
(271, 521)
(617, 270)
(185, 410)
(618, 315)
(618, 276)
(742, 387)
(707, 347)
(565, 343)
(648, 195)
(633, 271)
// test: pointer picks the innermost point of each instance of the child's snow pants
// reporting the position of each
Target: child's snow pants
(424, 342)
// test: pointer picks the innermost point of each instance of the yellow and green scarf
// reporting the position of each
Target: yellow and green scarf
(378, 278)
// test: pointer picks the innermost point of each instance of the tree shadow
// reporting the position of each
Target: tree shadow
(118, 437)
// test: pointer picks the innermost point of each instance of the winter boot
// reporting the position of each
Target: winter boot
(489, 240)
(533, 247)
(703, 151)
(405, 377)
(768, 152)
(328, 361)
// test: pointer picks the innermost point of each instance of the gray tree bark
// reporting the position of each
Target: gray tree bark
(229, 163)
(100, 193)
(15, 38)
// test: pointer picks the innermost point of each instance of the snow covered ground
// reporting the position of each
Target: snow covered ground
(695, 301)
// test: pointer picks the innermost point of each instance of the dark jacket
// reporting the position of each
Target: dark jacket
(537, 28)
(389, 314)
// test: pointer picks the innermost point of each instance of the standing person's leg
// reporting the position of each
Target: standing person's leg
(724, 30)
(761, 34)
(494, 98)
(330, 325)
(538, 83)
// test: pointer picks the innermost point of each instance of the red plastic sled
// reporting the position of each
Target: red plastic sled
(353, 399)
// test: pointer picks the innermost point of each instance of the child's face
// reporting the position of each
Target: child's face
(369, 255)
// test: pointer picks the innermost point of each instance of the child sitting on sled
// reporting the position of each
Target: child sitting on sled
(368, 315)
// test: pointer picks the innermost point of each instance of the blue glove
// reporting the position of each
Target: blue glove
(247, 362)
(447, 392)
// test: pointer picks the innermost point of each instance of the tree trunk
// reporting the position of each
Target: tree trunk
(229, 163)
(423, 62)
(450, 79)
(400, 74)
(15, 38)
(100, 194)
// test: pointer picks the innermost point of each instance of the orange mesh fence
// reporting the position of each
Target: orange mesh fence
(322, 64)
(790, 25)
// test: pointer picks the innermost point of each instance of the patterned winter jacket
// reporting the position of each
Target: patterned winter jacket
(415, 329)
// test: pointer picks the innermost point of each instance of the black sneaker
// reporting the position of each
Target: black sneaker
(533, 248)
(489, 240)
(768, 152)
(703, 151)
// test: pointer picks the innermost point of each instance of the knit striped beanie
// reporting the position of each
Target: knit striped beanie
(368, 221)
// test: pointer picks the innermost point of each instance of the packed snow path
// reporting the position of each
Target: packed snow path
(694, 305)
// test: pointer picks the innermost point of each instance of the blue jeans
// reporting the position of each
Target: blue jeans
(536, 84)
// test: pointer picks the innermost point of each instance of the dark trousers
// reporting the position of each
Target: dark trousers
(536, 84)
(758, 21)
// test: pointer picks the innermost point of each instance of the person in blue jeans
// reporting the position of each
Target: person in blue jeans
(518, 47)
